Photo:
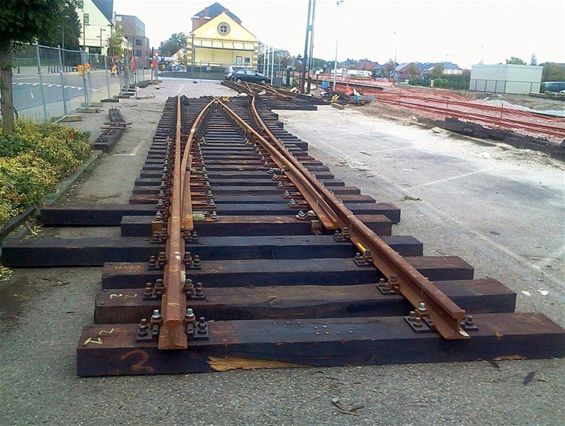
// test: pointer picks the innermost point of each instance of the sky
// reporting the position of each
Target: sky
(461, 31)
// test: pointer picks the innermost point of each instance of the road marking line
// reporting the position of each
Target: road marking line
(180, 89)
(451, 178)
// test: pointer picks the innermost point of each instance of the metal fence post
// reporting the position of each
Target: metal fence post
(89, 77)
(63, 92)
(84, 83)
(107, 78)
(45, 115)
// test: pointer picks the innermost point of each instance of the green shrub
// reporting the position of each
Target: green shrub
(33, 159)
(26, 179)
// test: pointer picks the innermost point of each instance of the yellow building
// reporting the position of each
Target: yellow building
(219, 39)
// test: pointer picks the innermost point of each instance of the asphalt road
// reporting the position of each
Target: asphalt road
(28, 98)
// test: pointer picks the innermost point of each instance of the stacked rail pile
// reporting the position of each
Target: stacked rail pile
(279, 264)
(112, 132)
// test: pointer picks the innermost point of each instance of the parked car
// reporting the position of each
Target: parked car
(248, 75)
(231, 71)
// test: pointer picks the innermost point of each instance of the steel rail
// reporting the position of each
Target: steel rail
(172, 334)
(472, 115)
(317, 204)
(416, 288)
(186, 165)
(173, 302)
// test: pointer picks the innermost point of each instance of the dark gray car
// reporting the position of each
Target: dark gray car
(249, 75)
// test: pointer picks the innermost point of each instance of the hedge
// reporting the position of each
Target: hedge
(33, 159)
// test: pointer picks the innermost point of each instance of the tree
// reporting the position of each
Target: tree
(533, 59)
(173, 44)
(515, 60)
(318, 63)
(116, 42)
(23, 21)
(437, 71)
(68, 26)
(285, 58)
(389, 68)
(553, 72)
(412, 70)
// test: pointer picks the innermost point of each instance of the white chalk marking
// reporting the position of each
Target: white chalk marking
(451, 178)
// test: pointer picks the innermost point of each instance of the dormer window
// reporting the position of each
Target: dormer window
(223, 28)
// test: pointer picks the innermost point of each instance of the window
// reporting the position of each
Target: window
(238, 60)
(223, 28)
(137, 52)
(247, 61)
(138, 42)
(80, 4)
(85, 19)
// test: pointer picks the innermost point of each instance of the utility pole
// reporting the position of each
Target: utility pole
(311, 62)
(266, 60)
(309, 27)
(272, 64)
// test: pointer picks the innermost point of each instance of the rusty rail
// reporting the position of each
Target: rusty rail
(172, 333)
(317, 204)
(417, 289)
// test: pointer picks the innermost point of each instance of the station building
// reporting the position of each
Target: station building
(218, 38)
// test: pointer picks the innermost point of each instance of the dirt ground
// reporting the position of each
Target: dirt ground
(498, 207)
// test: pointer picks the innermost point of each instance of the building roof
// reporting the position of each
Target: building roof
(106, 7)
(427, 66)
(214, 10)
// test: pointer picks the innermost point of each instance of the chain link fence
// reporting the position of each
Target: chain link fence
(50, 82)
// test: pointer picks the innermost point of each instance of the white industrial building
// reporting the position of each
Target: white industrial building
(506, 78)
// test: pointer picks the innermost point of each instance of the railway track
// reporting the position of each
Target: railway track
(449, 105)
(239, 250)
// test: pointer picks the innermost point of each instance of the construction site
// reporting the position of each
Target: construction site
(339, 250)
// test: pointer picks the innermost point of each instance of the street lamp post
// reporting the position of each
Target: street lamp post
(101, 31)
(338, 3)
(85, 23)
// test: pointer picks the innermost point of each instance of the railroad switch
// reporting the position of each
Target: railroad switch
(196, 330)
(191, 237)
(162, 260)
(389, 287)
(154, 291)
(156, 238)
(211, 216)
(418, 323)
(191, 262)
(149, 330)
(309, 215)
(279, 177)
(468, 325)
(152, 263)
(297, 204)
(365, 259)
(342, 235)
(194, 292)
